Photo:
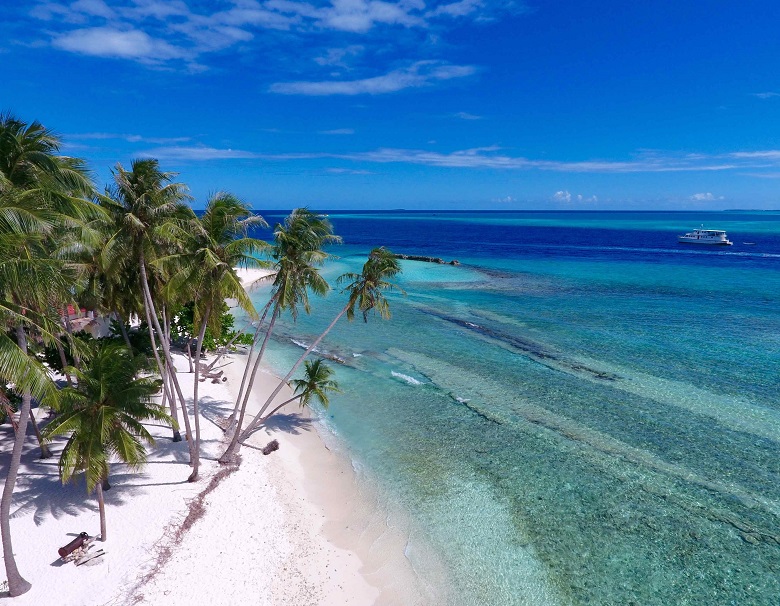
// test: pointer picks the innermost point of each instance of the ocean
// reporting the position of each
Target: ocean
(582, 412)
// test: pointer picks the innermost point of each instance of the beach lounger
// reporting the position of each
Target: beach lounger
(77, 543)
(78, 550)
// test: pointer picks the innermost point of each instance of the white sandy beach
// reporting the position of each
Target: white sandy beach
(265, 537)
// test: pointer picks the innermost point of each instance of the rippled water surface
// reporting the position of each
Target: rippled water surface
(582, 412)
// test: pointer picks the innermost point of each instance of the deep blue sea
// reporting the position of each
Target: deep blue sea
(582, 412)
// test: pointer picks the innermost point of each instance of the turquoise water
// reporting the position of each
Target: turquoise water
(582, 412)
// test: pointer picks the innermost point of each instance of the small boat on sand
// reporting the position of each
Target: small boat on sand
(712, 237)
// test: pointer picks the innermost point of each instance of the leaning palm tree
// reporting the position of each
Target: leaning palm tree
(152, 220)
(316, 384)
(297, 254)
(207, 274)
(102, 417)
(41, 192)
(366, 294)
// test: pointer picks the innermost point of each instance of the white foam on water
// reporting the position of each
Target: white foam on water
(406, 378)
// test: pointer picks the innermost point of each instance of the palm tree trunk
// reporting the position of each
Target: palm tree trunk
(71, 340)
(224, 351)
(63, 361)
(258, 419)
(249, 362)
(189, 354)
(167, 327)
(166, 349)
(163, 376)
(10, 414)
(45, 452)
(123, 329)
(251, 429)
(195, 409)
(232, 448)
(17, 585)
(102, 509)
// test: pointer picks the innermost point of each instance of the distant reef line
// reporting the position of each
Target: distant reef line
(425, 259)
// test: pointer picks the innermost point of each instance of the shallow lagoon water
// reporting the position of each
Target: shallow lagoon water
(583, 412)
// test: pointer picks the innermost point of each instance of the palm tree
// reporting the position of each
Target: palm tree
(315, 384)
(152, 221)
(208, 273)
(41, 193)
(103, 416)
(297, 254)
(365, 295)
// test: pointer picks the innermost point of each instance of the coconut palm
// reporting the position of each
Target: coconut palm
(102, 417)
(207, 274)
(41, 192)
(152, 220)
(297, 254)
(366, 294)
(316, 384)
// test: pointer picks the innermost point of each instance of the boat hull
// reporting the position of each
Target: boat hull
(703, 242)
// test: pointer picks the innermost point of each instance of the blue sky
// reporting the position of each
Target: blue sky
(460, 104)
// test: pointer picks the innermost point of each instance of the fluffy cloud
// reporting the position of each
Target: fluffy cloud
(493, 157)
(190, 28)
(421, 73)
(467, 116)
(337, 131)
(110, 42)
(704, 197)
(561, 196)
(348, 171)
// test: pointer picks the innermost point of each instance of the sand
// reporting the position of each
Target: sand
(294, 527)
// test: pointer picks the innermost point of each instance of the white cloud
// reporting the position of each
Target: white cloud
(361, 15)
(767, 95)
(337, 56)
(96, 8)
(337, 131)
(770, 154)
(467, 116)
(456, 9)
(159, 31)
(130, 138)
(199, 153)
(348, 171)
(562, 196)
(110, 42)
(421, 73)
(494, 158)
(504, 200)
(705, 197)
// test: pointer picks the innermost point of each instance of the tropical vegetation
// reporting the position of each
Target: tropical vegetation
(138, 256)
(103, 418)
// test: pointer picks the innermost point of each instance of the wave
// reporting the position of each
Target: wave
(320, 352)
(406, 378)
(303, 345)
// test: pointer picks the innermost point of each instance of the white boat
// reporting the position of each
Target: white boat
(713, 237)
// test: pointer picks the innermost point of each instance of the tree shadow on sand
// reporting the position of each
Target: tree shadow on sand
(293, 423)
(42, 492)
(215, 411)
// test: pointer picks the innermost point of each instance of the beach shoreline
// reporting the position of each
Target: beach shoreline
(276, 531)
